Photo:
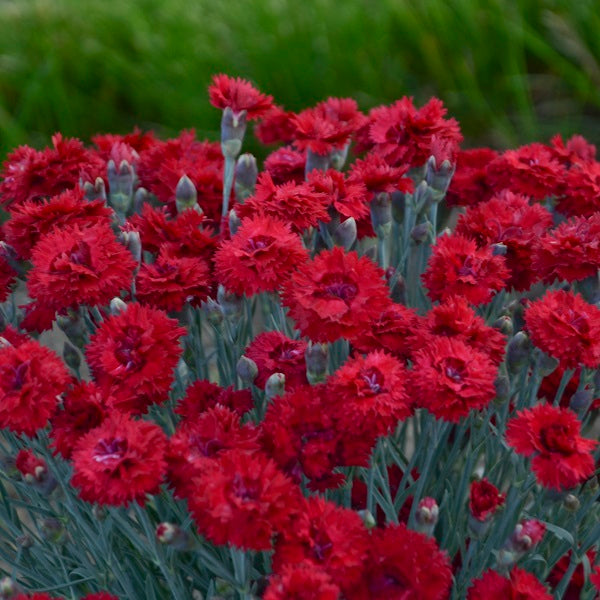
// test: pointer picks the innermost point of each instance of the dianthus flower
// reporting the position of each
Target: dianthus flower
(243, 499)
(595, 578)
(75, 266)
(571, 251)
(576, 150)
(581, 194)
(551, 383)
(450, 378)
(457, 267)
(30, 174)
(404, 134)
(298, 204)
(37, 596)
(285, 165)
(519, 585)
(469, 184)
(171, 282)
(133, 354)
(565, 326)
(370, 393)
(302, 581)
(577, 580)
(510, 220)
(202, 395)
(561, 457)
(378, 176)
(337, 294)
(100, 596)
(484, 499)
(274, 352)
(120, 461)
(275, 127)
(7, 278)
(238, 95)
(328, 536)
(203, 438)
(31, 220)
(29, 465)
(13, 336)
(402, 563)
(31, 379)
(84, 408)
(349, 198)
(530, 170)
(260, 257)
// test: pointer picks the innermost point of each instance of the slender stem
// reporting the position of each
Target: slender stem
(227, 183)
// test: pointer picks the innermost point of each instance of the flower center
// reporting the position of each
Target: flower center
(373, 378)
(556, 438)
(110, 451)
(259, 242)
(81, 255)
(127, 352)
(387, 583)
(244, 489)
(19, 374)
(454, 370)
(340, 287)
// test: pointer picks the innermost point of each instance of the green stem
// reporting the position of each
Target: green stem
(227, 183)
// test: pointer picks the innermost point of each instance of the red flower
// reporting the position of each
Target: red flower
(171, 282)
(577, 580)
(565, 326)
(509, 219)
(7, 279)
(484, 499)
(530, 170)
(571, 251)
(403, 564)
(349, 198)
(302, 581)
(550, 384)
(298, 204)
(457, 267)
(14, 337)
(239, 95)
(319, 133)
(32, 597)
(137, 140)
(520, 585)
(30, 466)
(378, 176)
(244, 500)
(595, 578)
(276, 126)
(561, 457)
(370, 393)
(581, 194)
(285, 165)
(469, 184)
(74, 266)
(203, 395)
(133, 354)
(100, 596)
(450, 378)
(335, 295)
(33, 219)
(260, 257)
(120, 461)
(404, 134)
(84, 408)
(576, 150)
(328, 536)
(30, 174)
(31, 378)
(273, 352)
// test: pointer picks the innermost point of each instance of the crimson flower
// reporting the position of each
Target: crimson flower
(576, 150)
(203, 395)
(285, 165)
(275, 127)
(561, 457)
(595, 578)
(565, 326)
(133, 355)
(378, 176)
(120, 461)
(581, 192)
(578, 578)
(450, 378)
(31, 379)
(337, 294)
(100, 596)
(519, 584)
(137, 140)
(238, 95)
(457, 267)
(7, 279)
(484, 499)
(302, 581)
(469, 184)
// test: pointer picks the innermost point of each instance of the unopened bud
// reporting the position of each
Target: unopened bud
(367, 518)
(581, 400)
(186, 196)
(572, 503)
(504, 324)
(71, 356)
(338, 156)
(183, 372)
(316, 161)
(545, 364)
(96, 190)
(526, 536)
(214, 312)
(234, 222)
(517, 352)
(398, 288)
(381, 212)
(499, 249)
(247, 370)
(398, 206)
(371, 252)
(120, 186)
(172, 535)
(422, 197)
(345, 233)
(233, 129)
(421, 232)
(24, 541)
(117, 306)
(439, 178)
(502, 385)
(230, 303)
(140, 198)
(246, 174)
(275, 386)
(132, 241)
(427, 516)
(316, 357)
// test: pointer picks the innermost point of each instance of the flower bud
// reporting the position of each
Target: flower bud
(422, 197)
(581, 400)
(502, 385)
(140, 198)
(499, 249)
(316, 161)
(398, 206)
(316, 357)
(132, 241)
(398, 288)
(8, 588)
(246, 174)
(421, 232)
(427, 516)
(381, 213)
(247, 370)
(234, 222)
(117, 306)
(172, 535)
(572, 503)
(120, 186)
(545, 364)
(517, 352)
(504, 324)
(338, 156)
(345, 233)
(230, 303)
(24, 541)
(214, 312)
(275, 386)
(71, 356)
(233, 129)
(367, 518)
(183, 372)
(96, 190)
(185, 194)
(439, 178)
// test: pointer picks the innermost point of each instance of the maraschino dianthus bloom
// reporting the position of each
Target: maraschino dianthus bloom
(238, 95)
(552, 436)
(302, 581)
(519, 585)
(484, 499)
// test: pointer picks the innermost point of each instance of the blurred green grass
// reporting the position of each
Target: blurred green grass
(510, 71)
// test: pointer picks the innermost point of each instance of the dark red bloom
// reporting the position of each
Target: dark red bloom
(576, 150)
(34, 597)
(450, 379)
(285, 165)
(7, 279)
(238, 95)
(550, 384)
(133, 355)
(510, 220)
(520, 585)
(243, 500)
(30, 174)
(276, 126)
(31, 379)
(14, 337)
(577, 581)
(336, 295)
(595, 578)
(32, 219)
(74, 266)
(349, 198)
(30, 466)
(457, 267)
(404, 134)
(402, 564)
(378, 176)
(120, 461)
(484, 499)
(273, 352)
(552, 435)
(530, 170)
(260, 257)
(203, 395)
(469, 184)
(100, 596)
(137, 140)
(581, 194)
(565, 326)
(302, 581)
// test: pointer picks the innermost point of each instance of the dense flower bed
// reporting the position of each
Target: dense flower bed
(300, 383)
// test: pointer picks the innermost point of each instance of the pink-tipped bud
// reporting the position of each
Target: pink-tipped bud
(275, 385)
(427, 515)
(172, 535)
